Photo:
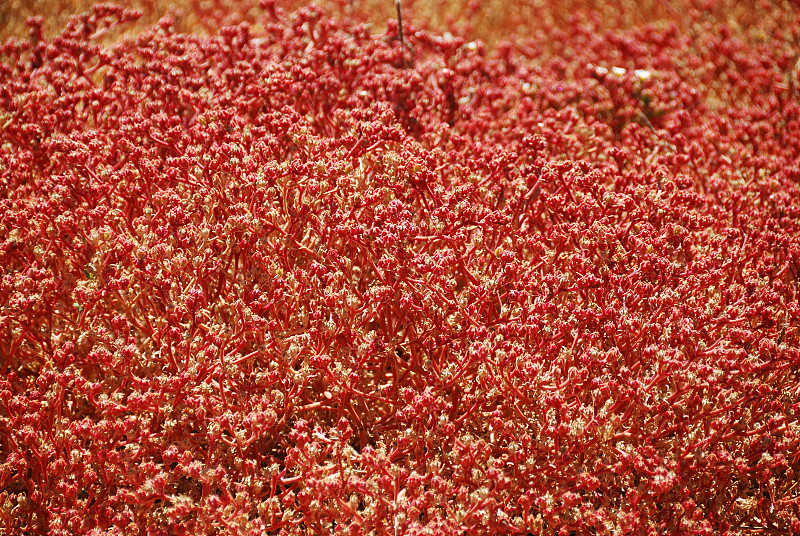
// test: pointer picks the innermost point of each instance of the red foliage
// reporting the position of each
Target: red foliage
(311, 281)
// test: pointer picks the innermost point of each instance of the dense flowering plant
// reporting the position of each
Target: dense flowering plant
(300, 276)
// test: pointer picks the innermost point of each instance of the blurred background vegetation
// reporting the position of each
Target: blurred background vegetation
(488, 20)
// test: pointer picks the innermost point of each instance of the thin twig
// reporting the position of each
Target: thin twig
(397, 5)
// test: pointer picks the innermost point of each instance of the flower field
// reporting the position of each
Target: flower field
(502, 268)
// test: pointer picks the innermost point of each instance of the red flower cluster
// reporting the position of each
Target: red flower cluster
(313, 280)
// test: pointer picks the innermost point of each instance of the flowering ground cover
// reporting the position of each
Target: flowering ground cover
(300, 275)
